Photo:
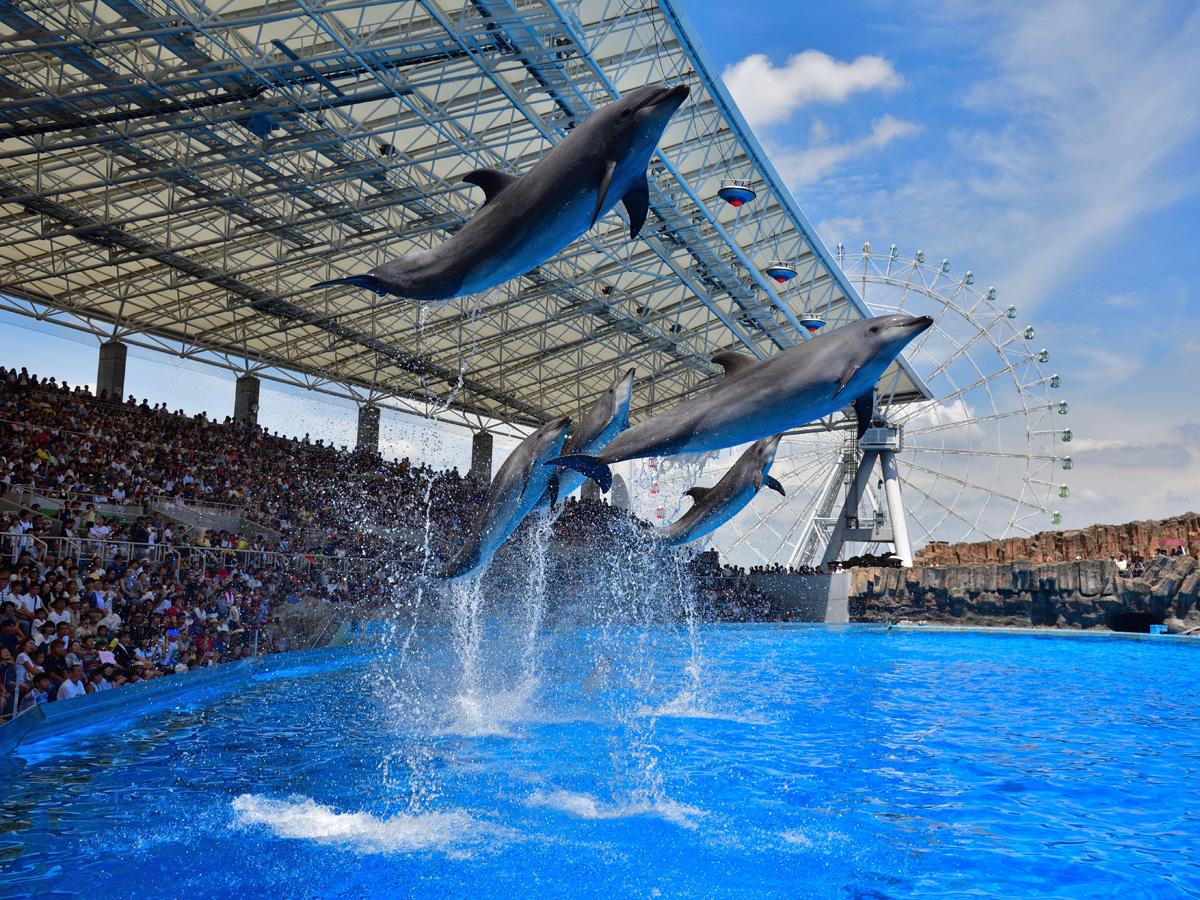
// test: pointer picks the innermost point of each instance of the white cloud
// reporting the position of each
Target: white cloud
(1134, 454)
(767, 94)
(1074, 128)
(801, 166)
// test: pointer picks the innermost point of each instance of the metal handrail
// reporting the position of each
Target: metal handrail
(80, 548)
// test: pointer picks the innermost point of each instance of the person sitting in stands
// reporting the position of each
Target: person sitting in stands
(73, 686)
(10, 631)
(55, 662)
(123, 652)
(38, 694)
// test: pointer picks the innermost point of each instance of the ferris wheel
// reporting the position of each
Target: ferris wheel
(983, 459)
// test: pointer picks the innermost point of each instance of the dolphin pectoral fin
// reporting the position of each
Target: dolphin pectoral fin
(845, 379)
(864, 406)
(637, 204)
(493, 181)
(733, 362)
(697, 493)
(605, 183)
(588, 466)
(370, 282)
(773, 484)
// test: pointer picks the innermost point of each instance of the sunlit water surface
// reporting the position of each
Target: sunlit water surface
(778, 760)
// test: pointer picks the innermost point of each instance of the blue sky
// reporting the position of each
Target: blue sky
(1051, 147)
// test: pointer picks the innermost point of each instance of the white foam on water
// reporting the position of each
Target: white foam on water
(302, 818)
(685, 707)
(585, 806)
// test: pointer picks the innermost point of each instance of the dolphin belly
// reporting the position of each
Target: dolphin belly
(703, 519)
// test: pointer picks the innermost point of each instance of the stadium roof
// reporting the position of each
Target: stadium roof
(178, 174)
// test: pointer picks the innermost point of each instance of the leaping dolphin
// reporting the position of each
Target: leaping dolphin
(514, 492)
(525, 220)
(604, 420)
(714, 506)
(757, 399)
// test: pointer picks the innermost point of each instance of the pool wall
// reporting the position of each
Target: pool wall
(115, 710)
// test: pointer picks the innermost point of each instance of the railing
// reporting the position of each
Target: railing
(82, 549)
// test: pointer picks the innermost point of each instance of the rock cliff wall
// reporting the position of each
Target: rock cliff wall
(1085, 594)
(1095, 542)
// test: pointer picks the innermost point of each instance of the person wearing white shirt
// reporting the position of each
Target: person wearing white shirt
(74, 685)
(60, 613)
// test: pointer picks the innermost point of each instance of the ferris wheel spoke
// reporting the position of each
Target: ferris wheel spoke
(994, 417)
(990, 491)
(974, 526)
(999, 454)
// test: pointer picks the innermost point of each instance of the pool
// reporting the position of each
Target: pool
(750, 760)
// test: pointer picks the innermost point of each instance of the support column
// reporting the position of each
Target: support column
(590, 491)
(368, 430)
(245, 400)
(896, 514)
(481, 456)
(110, 373)
(854, 493)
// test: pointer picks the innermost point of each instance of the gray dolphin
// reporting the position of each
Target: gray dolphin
(715, 506)
(513, 494)
(604, 420)
(760, 398)
(525, 220)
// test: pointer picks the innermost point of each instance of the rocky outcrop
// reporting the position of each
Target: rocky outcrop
(1083, 594)
(1094, 542)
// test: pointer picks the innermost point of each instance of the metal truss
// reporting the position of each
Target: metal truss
(179, 173)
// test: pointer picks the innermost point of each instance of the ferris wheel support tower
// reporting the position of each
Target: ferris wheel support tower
(879, 445)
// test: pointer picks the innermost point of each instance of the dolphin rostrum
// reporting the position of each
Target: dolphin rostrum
(713, 507)
(757, 399)
(514, 492)
(525, 220)
(604, 420)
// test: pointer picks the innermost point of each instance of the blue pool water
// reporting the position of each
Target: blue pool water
(776, 760)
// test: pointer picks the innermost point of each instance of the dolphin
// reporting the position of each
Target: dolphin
(604, 420)
(514, 492)
(759, 398)
(715, 506)
(525, 220)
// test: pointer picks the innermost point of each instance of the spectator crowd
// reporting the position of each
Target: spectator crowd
(102, 585)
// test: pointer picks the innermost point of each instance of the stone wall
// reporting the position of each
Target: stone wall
(1085, 594)
(1095, 542)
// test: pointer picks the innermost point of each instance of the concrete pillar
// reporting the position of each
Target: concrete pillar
(245, 400)
(620, 493)
(481, 456)
(368, 429)
(110, 373)
(590, 490)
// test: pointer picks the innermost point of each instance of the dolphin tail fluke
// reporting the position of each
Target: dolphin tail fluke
(370, 282)
(588, 466)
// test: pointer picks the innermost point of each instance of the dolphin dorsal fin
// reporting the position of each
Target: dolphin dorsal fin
(697, 493)
(493, 181)
(733, 362)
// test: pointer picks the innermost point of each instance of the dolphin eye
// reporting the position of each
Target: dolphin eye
(625, 113)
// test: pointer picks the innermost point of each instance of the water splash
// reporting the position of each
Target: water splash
(535, 598)
(302, 818)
